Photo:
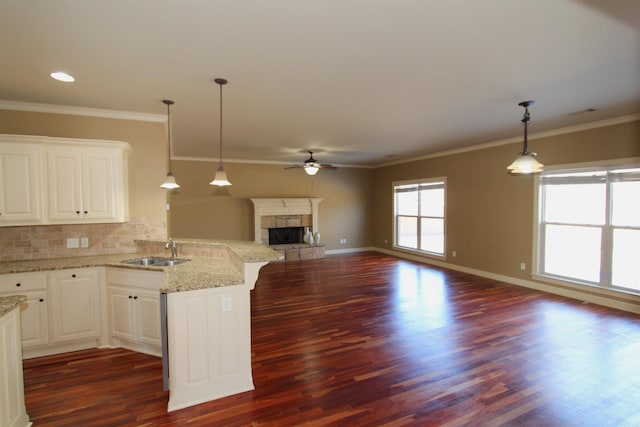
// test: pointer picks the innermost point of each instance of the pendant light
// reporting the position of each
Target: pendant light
(221, 176)
(526, 162)
(170, 181)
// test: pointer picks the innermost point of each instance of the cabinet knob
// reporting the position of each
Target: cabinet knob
(78, 212)
(73, 275)
(135, 297)
(41, 300)
(130, 297)
(86, 212)
(17, 284)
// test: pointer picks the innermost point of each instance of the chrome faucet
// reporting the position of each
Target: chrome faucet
(172, 245)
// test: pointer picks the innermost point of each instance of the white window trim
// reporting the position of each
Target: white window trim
(631, 162)
(394, 222)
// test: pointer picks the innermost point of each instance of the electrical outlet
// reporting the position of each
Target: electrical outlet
(523, 266)
(226, 304)
(343, 241)
(73, 242)
(454, 253)
(385, 241)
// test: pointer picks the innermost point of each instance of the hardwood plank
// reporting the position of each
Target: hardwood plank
(369, 340)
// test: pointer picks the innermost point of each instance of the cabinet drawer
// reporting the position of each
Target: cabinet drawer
(16, 283)
(137, 278)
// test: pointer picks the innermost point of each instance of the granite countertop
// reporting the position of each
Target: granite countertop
(199, 272)
(9, 303)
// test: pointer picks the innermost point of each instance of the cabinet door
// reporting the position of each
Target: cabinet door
(75, 304)
(64, 184)
(147, 312)
(121, 313)
(20, 189)
(98, 185)
(35, 324)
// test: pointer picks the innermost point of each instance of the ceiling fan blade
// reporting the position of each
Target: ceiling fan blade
(323, 166)
(294, 167)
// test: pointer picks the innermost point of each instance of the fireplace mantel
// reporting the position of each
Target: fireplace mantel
(284, 206)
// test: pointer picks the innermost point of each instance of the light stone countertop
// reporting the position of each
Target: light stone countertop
(200, 272)
(9, 303)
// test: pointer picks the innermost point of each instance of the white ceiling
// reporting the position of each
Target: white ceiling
(364, 82)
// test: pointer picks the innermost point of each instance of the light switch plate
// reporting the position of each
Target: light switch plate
(73, 242)
(84, 242)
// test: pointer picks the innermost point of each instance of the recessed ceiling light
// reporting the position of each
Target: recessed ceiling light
(62, 76)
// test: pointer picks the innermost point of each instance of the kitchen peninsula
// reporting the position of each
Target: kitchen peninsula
(208, 309)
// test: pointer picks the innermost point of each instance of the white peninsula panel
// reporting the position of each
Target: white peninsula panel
(209, 336)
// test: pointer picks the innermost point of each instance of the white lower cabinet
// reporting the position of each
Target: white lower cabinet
(13, 412)
(35, 311)
(133, 299)
(75, 304)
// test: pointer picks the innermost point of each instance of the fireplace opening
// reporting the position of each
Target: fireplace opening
(286, 235)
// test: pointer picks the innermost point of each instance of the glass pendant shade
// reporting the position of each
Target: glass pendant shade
(170, 182)
(311, 169)
(220, 179)
(525, 164)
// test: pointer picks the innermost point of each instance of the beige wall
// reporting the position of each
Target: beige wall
(147, 168)
(489, 213)
(199, 210)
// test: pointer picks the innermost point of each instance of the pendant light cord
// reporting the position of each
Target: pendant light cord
(221, 82)
(221, 124)
(168, 103)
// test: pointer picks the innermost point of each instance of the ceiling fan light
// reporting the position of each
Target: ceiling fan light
(525, 163)
(220, 179)
(311, 169)
(170, 182)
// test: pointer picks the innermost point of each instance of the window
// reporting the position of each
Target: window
(589, 227)
(419, 208)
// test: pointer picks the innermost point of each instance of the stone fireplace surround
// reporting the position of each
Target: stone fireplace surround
(287, 212)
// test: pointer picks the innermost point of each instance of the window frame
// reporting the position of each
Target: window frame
(434, 181)
(605, 279)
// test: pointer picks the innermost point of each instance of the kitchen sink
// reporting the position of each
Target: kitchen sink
(156, 261)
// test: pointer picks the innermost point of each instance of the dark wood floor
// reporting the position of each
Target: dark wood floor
(371, 340)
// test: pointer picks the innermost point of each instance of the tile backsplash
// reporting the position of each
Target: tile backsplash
(50, 241)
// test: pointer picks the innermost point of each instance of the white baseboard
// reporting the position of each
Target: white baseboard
(350, 250)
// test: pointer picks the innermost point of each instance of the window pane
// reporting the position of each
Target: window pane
(572, 251)
(432, 235)
(575, 204)
(626, 259)
(407, 203)
(432, 202)
(407, 232)
(626, 203)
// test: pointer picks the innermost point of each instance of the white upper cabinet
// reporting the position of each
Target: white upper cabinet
(84, 184)
(20, 184)
(84, 181)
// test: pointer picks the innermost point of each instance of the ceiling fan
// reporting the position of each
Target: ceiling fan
(311, 165)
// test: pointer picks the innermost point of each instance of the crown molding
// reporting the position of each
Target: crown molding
(537, 135)
(81, 111)
(261, 162)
